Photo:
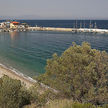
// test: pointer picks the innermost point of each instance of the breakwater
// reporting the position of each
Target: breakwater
(73, 30)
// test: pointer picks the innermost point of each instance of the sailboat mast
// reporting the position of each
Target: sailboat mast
(90, 25)
(76, 24)
(80, 25)
(84, 24)
(95, 26)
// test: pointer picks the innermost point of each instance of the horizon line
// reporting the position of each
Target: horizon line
(50, 19)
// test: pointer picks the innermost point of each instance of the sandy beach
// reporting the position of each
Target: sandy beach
(27, 81)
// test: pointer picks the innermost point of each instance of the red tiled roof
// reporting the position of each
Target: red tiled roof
(14, 22)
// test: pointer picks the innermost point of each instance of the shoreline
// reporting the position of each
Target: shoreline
(26, 80)
(14, 74)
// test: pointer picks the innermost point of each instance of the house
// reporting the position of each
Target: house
(5, 25)
(14, 25)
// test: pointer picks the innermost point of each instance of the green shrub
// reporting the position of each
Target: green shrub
(41, 98)
(80, 73)
(12, 93)
(105, 106)
(68, 104)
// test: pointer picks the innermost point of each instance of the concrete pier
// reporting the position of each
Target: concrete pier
(73, 30)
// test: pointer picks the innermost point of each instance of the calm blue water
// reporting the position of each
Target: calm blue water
(28, 51)
(66, 23)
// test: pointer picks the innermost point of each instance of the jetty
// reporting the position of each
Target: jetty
(73, 30)
(10, 26)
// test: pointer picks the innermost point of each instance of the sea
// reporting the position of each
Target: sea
(27, 52)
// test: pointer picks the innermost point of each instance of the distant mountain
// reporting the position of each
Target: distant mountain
(30, 17)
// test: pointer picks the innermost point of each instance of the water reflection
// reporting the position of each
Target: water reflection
(13, 35)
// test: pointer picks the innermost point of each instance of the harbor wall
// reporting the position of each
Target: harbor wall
(73, 30)
(84, 30)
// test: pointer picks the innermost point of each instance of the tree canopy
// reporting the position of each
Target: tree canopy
(80, 73)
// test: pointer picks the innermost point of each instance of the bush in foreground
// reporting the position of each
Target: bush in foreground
(66, 104)
(80, 73)
(15, 95)
(12, 93)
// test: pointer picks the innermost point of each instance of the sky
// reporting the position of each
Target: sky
(54, 9)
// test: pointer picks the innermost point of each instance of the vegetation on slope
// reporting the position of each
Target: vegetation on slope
(67, 104)
(80, 73)
(70, 104)
(12, 93)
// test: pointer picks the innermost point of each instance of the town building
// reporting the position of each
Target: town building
(14, 25)
(5, 25)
